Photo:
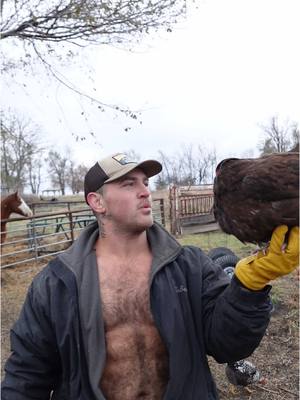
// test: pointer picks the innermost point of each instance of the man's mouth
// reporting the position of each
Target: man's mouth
(146, 205)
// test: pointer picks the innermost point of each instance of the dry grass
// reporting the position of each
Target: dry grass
(209, 240)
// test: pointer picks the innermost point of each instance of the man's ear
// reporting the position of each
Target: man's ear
(96, 202)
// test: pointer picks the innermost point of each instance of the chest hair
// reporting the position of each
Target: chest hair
(125, 297)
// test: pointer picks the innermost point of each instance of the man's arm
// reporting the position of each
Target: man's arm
(235, 321)
(230, 319)
(237, 317)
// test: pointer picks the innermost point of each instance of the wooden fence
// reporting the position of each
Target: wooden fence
(190, 209)
(46, 234)
(49, 233)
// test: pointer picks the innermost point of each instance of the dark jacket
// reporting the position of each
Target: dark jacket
(58, 342)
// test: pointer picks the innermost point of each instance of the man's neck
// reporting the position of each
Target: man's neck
(122, 244)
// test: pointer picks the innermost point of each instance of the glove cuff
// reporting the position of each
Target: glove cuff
(248, 276)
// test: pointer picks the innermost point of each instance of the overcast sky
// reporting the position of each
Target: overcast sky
(230, 67)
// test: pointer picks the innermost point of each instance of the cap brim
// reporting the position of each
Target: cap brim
(150, 168)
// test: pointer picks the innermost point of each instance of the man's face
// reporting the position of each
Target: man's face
(127, 202)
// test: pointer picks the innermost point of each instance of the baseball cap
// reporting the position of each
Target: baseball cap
(113, 167)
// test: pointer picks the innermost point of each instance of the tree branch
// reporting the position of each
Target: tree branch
(88, 20)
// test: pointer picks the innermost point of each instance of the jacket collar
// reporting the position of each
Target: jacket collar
(163, 246)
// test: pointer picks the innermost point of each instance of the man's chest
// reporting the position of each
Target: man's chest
(136, 359)
(125, 294)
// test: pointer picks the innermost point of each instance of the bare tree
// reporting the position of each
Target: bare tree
(193, 165)
(75, 177)
(58, 166)
(35, 175)
(278, 137)
(132, 155)
(212, 164)
(295, 137)
(165, 177)
(189, 166)
(171, 172)
(21, 149)
(198, 164)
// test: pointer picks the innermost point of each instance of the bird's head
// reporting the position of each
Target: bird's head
(222, 163)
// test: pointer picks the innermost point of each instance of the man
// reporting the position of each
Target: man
(127, 313)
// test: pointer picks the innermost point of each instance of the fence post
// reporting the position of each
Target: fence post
(32, 206)
(71, 225)
(174, 211)
(162, 212)
(35, 242)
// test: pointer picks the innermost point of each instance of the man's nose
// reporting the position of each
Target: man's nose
(145, 191)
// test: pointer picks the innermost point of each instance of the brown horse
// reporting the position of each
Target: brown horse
(13, 203)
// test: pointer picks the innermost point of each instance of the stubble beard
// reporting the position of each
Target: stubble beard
(130, 227)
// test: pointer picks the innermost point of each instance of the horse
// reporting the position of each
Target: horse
(13, 203)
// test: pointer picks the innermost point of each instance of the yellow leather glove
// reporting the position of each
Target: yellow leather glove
(256, 271)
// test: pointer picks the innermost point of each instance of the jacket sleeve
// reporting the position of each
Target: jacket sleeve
(32, 368)
(233, 319)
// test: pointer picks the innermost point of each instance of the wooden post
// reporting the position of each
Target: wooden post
(174, 211)
(162, 212)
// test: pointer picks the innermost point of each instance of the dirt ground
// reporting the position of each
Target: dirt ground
(277, 358)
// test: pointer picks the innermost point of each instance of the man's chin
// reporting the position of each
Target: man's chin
(143, 225)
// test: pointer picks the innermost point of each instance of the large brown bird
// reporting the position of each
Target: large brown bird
(254, 195)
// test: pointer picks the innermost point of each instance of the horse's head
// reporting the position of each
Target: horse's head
(19, 206)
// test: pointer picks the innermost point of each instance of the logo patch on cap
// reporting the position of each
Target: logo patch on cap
(121, 158)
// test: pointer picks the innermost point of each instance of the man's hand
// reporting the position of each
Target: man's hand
(256, 271)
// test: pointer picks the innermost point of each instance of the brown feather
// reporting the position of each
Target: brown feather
(252, 196)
